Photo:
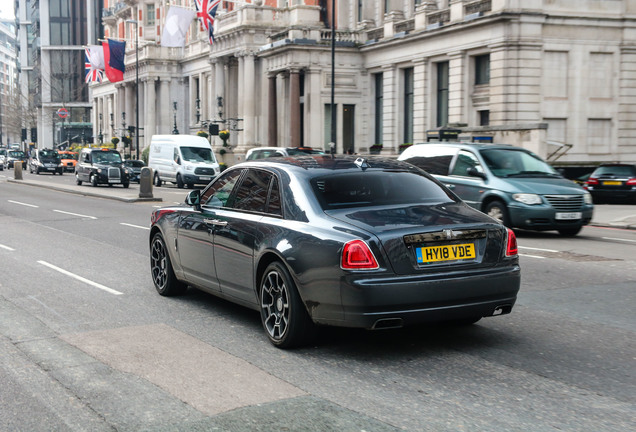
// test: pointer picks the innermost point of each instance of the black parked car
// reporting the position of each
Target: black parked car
(613, 183)
(46, 160)
(370, 243)
(101, 166)
(134, 169)
(14, 156)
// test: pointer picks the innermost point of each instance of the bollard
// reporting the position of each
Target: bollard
(17, 170)
(145, 183)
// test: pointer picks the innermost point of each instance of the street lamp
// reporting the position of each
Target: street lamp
(175, 131)
(136, 23)
(332, 144)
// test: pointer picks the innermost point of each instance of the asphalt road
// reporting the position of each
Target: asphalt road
(87, 344)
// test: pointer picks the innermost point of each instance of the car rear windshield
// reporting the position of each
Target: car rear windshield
(616, 170)
(377, 188)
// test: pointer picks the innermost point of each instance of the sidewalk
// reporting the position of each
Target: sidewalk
(605, 215)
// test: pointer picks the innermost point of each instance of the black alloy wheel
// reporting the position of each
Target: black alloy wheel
(166, 283)
(283, 314)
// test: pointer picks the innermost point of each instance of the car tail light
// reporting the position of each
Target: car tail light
(511, 244)
(356, 255)
(592, 181)
(631, 182)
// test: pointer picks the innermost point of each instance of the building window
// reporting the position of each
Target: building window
(67, 76)
(482, 69)
(408, 105)
(379, 108)
(484, 117)
(360, 13)
(150, 14)
(442, 93)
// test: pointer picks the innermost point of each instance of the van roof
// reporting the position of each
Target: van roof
(192, 140)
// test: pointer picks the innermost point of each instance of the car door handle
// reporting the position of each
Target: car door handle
(215, 222)
(450, 186)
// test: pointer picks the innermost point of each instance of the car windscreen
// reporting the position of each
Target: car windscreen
(16, 153)
(377, 188)
(198, 154)
(106, 157)
(516, 163)
(616, 170)
(134, 163)
(49, 154)
(73, 156)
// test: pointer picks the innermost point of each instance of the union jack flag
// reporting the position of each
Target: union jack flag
(92, 74)
(206, 11)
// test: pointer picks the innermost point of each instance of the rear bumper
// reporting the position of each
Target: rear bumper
(616, 194)
(402, 301)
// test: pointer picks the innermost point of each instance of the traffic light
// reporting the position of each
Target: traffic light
(24, 134)
(34, 135)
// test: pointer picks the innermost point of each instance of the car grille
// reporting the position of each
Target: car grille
(204, 171)
(114, 174)
(565, 202)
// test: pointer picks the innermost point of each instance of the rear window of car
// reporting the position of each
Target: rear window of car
(377, 188)
(616, 170)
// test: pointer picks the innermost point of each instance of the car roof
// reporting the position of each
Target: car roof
(312, 165)
(471, 145)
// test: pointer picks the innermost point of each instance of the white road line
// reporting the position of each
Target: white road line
(538, 249)
(80, 278)
(6, 247)
(134, 226)
(23, 204)
(619, 239)
(75, 214)
(532, 256)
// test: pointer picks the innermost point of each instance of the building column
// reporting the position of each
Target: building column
(249, 101)
(203, 96)
(150, 111)
(272, 108)
(165, 104)
(313, 109)
(294, 108)
(390, 134)
(419, 100)
(456, 87)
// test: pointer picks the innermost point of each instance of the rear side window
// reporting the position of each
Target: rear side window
(433, 159)
(258, 192)
(465, 161)
(378, 188)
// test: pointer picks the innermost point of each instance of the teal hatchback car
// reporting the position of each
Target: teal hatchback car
(510, 184)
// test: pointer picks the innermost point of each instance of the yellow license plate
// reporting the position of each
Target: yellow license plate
(612, 183)
(445, 253)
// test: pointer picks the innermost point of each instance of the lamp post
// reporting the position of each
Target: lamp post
(332, 144)
(175, 131)
(136, 23)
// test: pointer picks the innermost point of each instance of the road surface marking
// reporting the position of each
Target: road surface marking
(80, 278)
(538, 249)
(134, 226)
(23, 204)
(619, 239)
(75, 214)
(6, 247)
(532, 256)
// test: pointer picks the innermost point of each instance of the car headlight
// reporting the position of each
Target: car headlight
(99, 170)
(529, 199)
(189, 168)
(587, 197)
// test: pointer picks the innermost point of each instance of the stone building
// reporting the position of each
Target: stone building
(555, 76)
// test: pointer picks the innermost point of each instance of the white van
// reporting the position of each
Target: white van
(182, 159)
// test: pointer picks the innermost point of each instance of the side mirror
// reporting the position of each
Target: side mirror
(193, 199)
(474, 172)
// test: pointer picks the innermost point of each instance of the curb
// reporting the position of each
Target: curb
(87, 193)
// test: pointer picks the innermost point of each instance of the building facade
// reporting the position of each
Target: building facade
(53, 35)
(9, 131)
(554, 76)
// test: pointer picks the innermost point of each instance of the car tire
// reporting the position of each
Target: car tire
(499, 211)
(163, 277)
(283, 315)
(93, 180)
(570, 232)
(180, 183)
(157, 180)
(77, 180)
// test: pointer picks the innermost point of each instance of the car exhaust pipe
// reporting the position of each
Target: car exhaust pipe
(501, 310)
(388, 323)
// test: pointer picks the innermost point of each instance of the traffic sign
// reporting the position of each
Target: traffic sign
(62, 112)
